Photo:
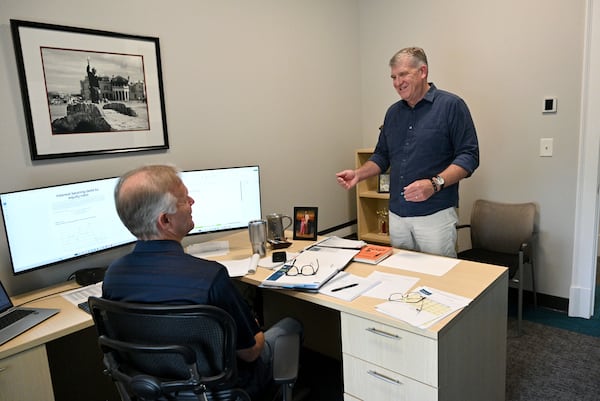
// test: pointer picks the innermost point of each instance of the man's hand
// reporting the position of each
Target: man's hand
(418, 191)
(347, 178)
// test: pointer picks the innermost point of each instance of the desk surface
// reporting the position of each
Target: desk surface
(467, 279)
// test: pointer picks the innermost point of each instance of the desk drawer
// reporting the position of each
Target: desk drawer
(26, 377)
(369, 382)
(400, 351)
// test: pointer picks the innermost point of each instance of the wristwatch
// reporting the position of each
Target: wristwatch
(439, 182)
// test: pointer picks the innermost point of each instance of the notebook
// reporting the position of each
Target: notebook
(320, 264)
(15, 320)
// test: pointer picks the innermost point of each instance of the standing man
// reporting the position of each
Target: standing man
(153, 203)
(429, 142)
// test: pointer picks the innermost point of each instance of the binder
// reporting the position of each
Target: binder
(330, 261)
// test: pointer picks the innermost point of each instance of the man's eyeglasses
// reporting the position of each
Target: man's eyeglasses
(309, 269)
(408, 298)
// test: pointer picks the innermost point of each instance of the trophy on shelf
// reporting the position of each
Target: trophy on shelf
(382, 215)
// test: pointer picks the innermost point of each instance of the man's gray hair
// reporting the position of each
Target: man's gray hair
(140, 206)
(416, 53)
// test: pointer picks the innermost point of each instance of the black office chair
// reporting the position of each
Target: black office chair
(183, 352)
(502, 234)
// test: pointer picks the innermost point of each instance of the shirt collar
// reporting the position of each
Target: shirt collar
(429, 96)
(162, 245)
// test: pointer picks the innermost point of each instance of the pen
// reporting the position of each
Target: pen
(344, 287)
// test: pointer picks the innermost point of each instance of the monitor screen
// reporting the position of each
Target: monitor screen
(46, 226)
(49, 225)
(224, 199)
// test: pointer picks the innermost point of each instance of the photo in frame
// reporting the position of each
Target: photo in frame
(305, 223)
(383, 183)
(89, 92)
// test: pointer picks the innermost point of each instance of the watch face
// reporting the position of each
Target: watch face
(440, 181)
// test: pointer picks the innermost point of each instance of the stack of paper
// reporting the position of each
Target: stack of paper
(435, 306)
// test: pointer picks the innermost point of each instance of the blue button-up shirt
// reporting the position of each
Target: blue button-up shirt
(421, 142)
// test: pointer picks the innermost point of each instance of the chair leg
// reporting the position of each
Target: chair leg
(287, 392)
(520, 297)
(533, 284)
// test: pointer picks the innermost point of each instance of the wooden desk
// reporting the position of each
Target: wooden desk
(462, 357)
(24, 368)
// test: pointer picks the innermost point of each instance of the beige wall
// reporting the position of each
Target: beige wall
(296, 86)
(267, 82)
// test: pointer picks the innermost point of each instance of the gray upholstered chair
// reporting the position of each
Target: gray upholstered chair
(502, 234)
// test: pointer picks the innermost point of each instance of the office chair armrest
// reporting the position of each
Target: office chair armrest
(459, 226)
(286, 357)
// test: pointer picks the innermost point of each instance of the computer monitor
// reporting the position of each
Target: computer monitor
(224, 199)
(50, 225)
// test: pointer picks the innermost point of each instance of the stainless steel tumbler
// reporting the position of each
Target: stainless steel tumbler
(257, 230)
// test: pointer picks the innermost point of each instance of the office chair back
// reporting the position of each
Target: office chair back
(501, 227)
(155, 350)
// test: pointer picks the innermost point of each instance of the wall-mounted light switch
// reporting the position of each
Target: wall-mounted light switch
(546, 147)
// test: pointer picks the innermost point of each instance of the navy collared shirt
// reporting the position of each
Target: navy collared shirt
(421, 142)
(160, 271)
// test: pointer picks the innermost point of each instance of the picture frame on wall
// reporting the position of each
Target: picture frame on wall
(89, 92)
(305, 223)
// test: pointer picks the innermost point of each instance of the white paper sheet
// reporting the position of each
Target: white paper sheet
(356, 286)
(435, 306)
(420, 263)
(389, 284)
(210, 248)
(236, 268)
(79, 295)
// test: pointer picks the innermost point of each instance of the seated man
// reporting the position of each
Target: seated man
(154, 205)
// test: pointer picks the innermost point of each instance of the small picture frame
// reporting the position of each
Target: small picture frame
(305, 223)
(383, 183)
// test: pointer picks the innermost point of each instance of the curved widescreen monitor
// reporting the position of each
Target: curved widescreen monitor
(224, 199)
(50, 225)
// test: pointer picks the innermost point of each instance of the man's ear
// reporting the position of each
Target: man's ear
(163, 221)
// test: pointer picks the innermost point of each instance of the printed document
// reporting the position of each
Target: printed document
(435, 305)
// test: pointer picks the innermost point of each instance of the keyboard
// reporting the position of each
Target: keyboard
(85, 307)
(13, 317)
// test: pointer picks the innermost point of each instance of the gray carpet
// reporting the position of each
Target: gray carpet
(547, 363)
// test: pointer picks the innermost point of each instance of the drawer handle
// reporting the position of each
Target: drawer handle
(383, 333)
(383, 377)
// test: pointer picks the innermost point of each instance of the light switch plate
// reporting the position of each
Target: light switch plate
(546, 147)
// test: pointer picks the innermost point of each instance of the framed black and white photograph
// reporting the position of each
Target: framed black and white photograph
(89, 92)
(305, 223)
(384, 183)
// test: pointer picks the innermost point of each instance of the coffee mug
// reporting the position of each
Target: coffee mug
(276, 226)
(257, 230)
